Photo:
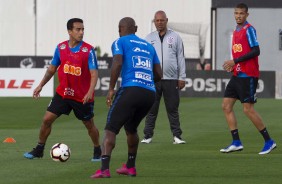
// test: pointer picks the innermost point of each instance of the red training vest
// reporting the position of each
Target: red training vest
(73, 73)
(240, 47)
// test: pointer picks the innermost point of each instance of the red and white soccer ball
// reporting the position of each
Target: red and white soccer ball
(60, 152)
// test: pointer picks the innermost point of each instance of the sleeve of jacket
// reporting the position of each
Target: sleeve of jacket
(181, 60)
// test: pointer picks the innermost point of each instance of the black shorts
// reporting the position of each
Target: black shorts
(242, 88)
(130, 106)
(60, 106)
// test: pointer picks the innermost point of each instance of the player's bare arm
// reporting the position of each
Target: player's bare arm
(158, 75)
(93, 82)
(48, 75)
(115, 72)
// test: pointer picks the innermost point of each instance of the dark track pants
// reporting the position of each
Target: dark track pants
(170, 92)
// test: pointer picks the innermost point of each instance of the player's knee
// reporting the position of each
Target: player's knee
(226, 108)
(47, 122)
(113, 129)
(109, 140)
(248, 110)
(88, 124)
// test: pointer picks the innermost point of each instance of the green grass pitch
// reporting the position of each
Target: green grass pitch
(198, 161)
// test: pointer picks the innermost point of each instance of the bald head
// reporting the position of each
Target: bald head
(127, 26)
(160, 21)
(160, 13)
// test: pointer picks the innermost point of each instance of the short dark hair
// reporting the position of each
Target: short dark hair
(71, 21)
(242, 6)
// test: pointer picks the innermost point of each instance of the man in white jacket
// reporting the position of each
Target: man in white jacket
(169, 47)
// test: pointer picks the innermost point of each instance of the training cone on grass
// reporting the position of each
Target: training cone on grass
(9, 140)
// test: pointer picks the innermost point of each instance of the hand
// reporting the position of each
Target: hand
(36, 92)
(86, 98)
(110, 96)
(228, 65)
(181, 84)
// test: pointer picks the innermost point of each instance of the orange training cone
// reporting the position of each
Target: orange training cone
(9, 140)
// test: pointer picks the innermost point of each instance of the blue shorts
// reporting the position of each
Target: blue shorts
(242, 88)
(59, 106)
(130, 106)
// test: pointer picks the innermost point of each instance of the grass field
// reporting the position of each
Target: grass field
(198, 161)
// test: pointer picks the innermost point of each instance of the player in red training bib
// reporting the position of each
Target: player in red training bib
(242, 85)
(76, 64)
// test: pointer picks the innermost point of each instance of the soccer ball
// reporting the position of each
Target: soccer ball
(60, 152)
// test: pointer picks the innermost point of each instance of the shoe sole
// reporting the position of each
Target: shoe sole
(100, 177)
(231, 151)
(95, 160)
(264, 153)
(131, 175)
(179, 143)
(29, 156)
(147, 141)
(239, 149)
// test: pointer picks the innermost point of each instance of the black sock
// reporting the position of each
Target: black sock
(265, 134)
(105, 162)
(97, 150)
(131, 160)
(40, 146)
(235, 134)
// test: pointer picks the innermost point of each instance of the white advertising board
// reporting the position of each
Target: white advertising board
(22, 82)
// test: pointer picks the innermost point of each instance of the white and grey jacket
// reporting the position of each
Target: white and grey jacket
(170, 53)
